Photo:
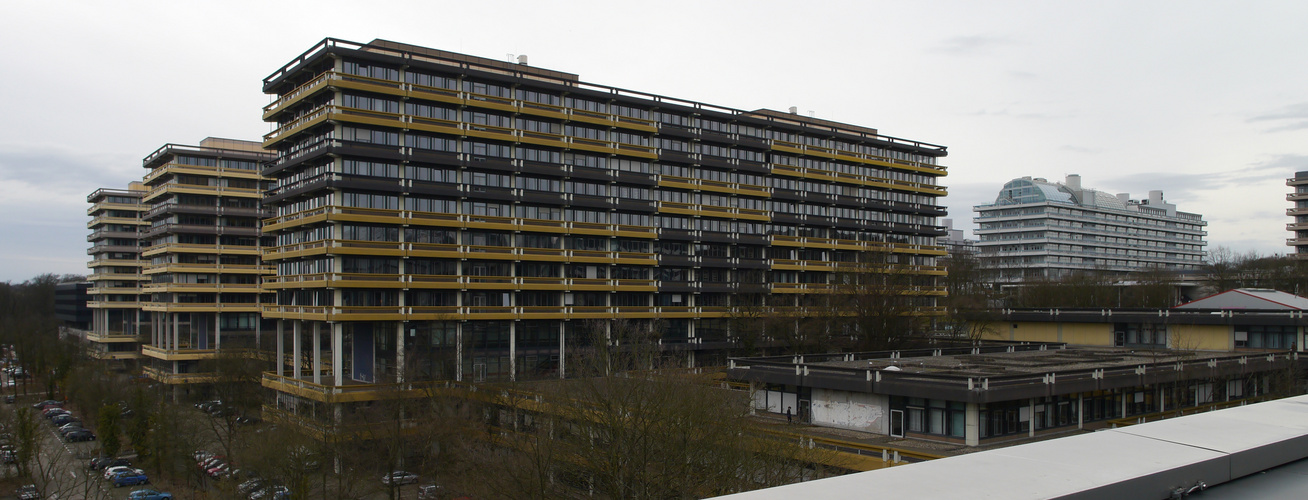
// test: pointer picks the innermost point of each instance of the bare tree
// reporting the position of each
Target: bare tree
(627, 428)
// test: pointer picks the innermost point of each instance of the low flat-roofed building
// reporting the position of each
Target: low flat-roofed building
(998, 392)
(1241, 320)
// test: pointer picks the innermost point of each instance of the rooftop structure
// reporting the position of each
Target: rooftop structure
(442, 216)
(1039, 229)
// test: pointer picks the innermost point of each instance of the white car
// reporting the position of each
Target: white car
(399, 477)
(109, 472)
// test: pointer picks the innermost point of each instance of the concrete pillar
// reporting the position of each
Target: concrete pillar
(563, 352)
(258, 332)
(399, 353)
(281, 348)
(1125, 395)
(972, 425)
(1031, 425)
(690, 359)
(338, 344)
(297, 348)
(317, 354)
(1080, 410)
(513, 350)
(217, 330)
(177, 327)
(458, 351)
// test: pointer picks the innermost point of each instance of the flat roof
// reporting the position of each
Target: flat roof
(1019, 362)
(1151, 460)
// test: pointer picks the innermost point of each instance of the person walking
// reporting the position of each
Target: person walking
(788, 421)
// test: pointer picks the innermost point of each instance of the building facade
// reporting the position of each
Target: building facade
(1299, 228)
(117, 322)
(203, 244)
(442, 216)
(994, 392)
(1038, 229)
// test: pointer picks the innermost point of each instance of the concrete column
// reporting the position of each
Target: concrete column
(458, 351)
(513, 350)
(258, 332)
(317, 354)
(281, 348)
(690, 359)
(563, 352)
(296, 348)
(338, 344)
(1080, 410)
(1030, 428)
(1124, 396)
(972, 424)
(177, 328)
(399, 353)
(217, 330)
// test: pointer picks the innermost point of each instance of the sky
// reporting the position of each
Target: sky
(1203, 100)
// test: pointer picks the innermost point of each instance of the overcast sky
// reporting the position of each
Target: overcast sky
(1203, 100)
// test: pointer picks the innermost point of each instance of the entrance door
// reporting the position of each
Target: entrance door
(804, 409)
(897, 423)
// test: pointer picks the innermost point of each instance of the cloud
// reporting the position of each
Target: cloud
(1080, 149)
(1180, 185)
(1291, 117)
(65, 172)
(1026, 116)
(971, 44)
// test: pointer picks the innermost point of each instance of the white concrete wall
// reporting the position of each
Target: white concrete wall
(850, 410)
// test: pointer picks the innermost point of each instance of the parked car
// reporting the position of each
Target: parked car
(79, 435)
(218, 470)
(47, 404)
(272, 493)
(129, 479)
(103, 463)
(54, 412)
(117, 469)
(28, 492)
(147, 494)
(62, 420)
(69, 427)
(399, 477)
(249, 487)
(429, 492)
(10, 398)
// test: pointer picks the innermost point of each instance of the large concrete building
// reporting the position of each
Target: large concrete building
(1039, 229)
(117, 223)
(443, 216)
(1299, 228)
(203, 248)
